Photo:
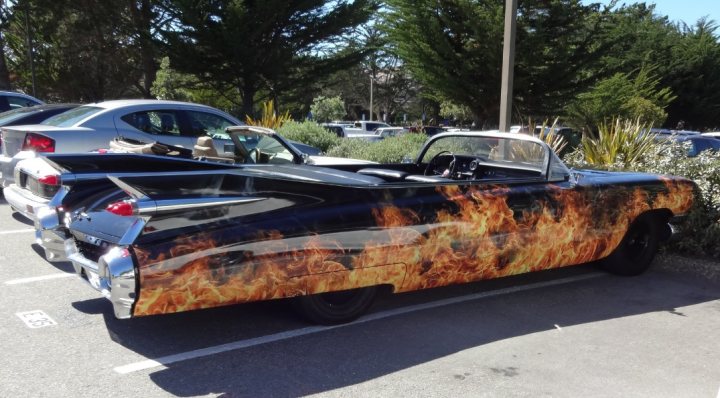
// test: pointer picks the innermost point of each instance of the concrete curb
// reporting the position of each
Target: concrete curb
(701, 267)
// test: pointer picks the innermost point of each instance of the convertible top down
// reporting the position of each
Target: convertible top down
(473, 206)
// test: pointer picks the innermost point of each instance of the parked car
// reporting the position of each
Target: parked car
(700, 143)
(472, 206)
(696, 142)
(11, 100)
(386, 132)
(90, 127)
(36, 181)
(33, 114)
(363, 127)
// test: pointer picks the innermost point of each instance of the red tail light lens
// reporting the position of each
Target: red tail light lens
(49, 180)
(38, 143)
(123, 208)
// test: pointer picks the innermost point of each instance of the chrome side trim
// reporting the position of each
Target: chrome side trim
(150, 207)
(132, 191)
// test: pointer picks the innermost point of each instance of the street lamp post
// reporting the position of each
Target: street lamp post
(31, 53)
(371, 96)
(506, 87)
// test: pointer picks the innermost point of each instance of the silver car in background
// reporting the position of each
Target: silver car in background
(92, 126)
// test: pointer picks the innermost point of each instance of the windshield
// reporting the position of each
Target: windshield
(506, 151)
(72, 117)
(262, 148)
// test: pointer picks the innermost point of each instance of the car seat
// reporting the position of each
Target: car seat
(167, 123)
(142, 122)
(205, 147)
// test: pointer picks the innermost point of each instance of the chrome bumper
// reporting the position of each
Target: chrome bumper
(24, 202)
(50, 234)
(113, 276)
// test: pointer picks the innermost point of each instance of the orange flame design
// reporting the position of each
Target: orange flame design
(480, 235)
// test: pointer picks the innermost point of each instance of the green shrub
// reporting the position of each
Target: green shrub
(701, 232)
(390, 150)
(309, 133)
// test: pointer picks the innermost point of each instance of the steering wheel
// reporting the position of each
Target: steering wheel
(431, 170)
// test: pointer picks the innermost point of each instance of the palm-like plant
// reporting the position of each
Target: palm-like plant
(619, 144)
(269, 118)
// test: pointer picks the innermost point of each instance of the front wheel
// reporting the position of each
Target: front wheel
(336, 307)
(637, 249)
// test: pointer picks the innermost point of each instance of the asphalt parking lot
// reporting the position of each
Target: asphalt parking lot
(566, 333)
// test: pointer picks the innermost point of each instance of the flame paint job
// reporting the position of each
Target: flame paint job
(408, 237)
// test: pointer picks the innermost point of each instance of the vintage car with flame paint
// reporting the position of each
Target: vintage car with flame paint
(473, 206)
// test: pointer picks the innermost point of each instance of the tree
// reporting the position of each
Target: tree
(261, 46)
(637, 96)
(454, 48)
(694, 75)
(327, 109)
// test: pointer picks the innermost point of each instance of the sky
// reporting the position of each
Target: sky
(688, 11)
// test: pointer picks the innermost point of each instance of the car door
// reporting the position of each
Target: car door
(154, 125)
(198, 123)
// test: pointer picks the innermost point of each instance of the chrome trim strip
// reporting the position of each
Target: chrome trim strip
(151, 207)
(132, 191)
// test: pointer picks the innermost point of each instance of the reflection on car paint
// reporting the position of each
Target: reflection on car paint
(459, 234)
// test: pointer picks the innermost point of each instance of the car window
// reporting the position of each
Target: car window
(158, 122)
(20, 102)
(204, 123)
(72, 117)
(521, 153)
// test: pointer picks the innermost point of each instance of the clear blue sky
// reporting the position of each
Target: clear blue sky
(688, 11)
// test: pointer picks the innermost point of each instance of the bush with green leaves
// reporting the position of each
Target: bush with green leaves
(701, 232)
(390, 150)
(310, 133)
(325, 109)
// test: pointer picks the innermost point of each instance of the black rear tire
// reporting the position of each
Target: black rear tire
(637, 249)
(336, 307)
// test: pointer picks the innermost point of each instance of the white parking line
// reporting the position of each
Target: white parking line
(39, 278)
(203, 352)
(17, 231)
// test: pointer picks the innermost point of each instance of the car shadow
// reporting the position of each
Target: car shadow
(362, 351)
(22, 219)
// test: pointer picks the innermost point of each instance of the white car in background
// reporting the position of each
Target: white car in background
(91, 127)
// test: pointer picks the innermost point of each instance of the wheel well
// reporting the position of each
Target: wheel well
(661, 217)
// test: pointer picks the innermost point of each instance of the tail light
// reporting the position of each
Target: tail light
(47, 186)
(123, 208)
(38, 143)
(51, 179)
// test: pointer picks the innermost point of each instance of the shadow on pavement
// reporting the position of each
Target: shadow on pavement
(356, 353)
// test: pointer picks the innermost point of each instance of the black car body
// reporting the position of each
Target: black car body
(473, 206)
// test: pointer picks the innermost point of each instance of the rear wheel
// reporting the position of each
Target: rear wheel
(637, 249)
(336, 307)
